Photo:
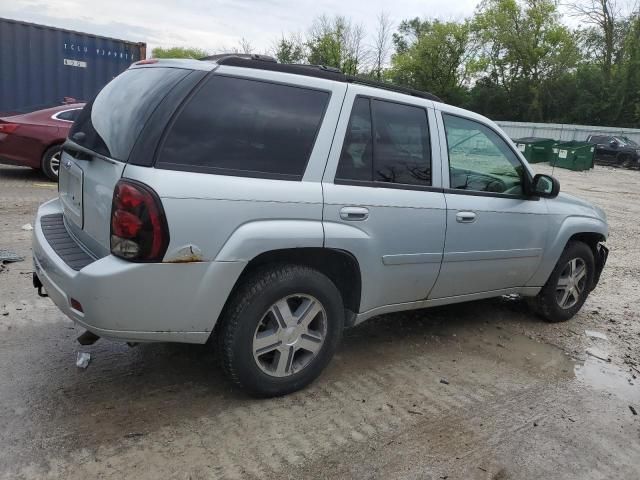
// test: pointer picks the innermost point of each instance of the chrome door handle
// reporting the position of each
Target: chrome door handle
(354, 214)
(465, 217)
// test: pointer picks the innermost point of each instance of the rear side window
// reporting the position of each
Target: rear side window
(235, 126)
(111, 123)
(386, 142)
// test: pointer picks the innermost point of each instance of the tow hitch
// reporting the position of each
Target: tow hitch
(38, 284)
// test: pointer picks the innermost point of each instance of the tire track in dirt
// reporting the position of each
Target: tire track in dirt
(257, 439)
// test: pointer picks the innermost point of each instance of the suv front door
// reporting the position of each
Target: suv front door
(606, 149)
(495, 234)
(382, 196)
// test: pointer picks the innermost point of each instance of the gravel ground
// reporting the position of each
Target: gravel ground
(483, 390)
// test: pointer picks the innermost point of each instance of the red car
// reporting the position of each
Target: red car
(34, 139)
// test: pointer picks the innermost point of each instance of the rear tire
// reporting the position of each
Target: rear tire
(280, 329)
(51, 162)
(568, 285)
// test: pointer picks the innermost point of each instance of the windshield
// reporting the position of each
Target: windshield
(110, 124)
(627, 141)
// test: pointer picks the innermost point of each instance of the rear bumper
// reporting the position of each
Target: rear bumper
(177, 302)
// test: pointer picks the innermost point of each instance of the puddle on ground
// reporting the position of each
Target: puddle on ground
(521, 352)
(529, 354)
(609, 378)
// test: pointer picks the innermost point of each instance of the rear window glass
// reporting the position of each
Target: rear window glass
(111, 123)
(235, 126)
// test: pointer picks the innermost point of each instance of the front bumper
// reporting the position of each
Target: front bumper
(138, 302)
(602, 253)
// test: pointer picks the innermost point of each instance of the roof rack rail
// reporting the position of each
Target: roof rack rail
(247, 56)
(394, 88)
(264, 62)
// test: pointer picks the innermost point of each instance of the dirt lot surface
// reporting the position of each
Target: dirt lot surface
(483, 390)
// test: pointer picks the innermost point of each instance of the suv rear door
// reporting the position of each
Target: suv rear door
(382, 196)
(102, 140)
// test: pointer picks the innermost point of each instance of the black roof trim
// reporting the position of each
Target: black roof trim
(219, 57)
(319, 71)
(393, 88)
(264, 62)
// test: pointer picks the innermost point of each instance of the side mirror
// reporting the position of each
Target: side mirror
(545, 186)
(613, 144)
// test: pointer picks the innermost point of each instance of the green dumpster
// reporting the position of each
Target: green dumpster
(573, 155)
(536, 149)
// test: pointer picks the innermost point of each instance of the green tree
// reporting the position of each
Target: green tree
(629, 85)
(434, 56)
(179, 52)
(290, 50)
(524, 45)
(337, 42)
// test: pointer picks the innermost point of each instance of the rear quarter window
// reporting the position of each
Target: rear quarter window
(235, 126)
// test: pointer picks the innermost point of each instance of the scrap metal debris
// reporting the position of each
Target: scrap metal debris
(599, 354)
(83, 359)
(7, 256)
(594, 334)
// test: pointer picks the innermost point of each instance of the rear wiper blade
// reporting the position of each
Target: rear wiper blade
(88, 154)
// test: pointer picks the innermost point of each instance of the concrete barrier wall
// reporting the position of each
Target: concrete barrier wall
(559, 131)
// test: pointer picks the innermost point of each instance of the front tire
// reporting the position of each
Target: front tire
(51, 162)
(568, 285)
(280, 329)
(625, 161)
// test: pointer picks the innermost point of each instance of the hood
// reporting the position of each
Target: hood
(569, 205)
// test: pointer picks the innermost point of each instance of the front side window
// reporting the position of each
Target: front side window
(386, 142)
(480, 160)
(235, 126)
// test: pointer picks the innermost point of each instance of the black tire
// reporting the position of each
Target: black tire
(624, 160)
(246, 311)
(49, 167)
(546, 303)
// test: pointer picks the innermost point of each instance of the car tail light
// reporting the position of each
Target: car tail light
(139, 230)
(8, 127)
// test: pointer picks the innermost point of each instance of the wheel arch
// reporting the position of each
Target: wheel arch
(340, 266)
(585, 229)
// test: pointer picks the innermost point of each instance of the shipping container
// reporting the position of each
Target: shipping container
(40, 66)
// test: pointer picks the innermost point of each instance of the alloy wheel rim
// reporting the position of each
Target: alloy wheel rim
(54, 163)
(290, 335)
(571, 283)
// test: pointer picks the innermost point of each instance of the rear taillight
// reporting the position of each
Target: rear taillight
(8, 127)
(139, 230)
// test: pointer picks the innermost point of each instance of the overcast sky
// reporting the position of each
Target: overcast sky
(216, 24)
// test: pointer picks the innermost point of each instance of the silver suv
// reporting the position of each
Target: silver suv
(265, 207)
